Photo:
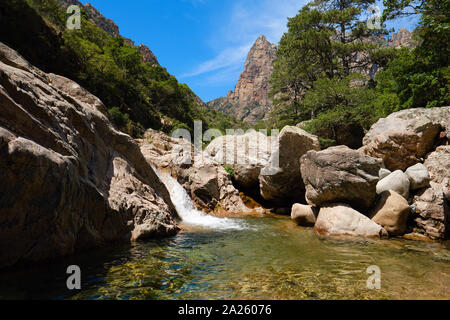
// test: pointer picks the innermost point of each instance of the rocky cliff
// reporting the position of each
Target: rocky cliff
(110, 27)
(249, 101)
(403, 38)
(69, 179)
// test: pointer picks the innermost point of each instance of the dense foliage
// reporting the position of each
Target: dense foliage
(325, 65)
(420, 78)
(138, 95)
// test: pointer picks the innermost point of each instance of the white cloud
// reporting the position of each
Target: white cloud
(247, 20)
(250, 18)
(228, 58)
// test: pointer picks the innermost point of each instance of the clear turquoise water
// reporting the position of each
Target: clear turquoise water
(274, 259)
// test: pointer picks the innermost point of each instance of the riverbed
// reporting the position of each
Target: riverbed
(260, 258)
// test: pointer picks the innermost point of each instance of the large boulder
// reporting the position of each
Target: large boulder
(397, 181)
(405, 137)
(284, 183)
(206, 181)
(432, 204)
(391, 212)
(342, 220)
(304, 215)
(247, 154)
(211, 188)
(340, 174)
(69, 179)
(418, 176)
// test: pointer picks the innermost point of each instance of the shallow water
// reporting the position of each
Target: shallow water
(242, 258)
(273, 259)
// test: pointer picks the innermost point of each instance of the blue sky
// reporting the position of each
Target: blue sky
(204, 43)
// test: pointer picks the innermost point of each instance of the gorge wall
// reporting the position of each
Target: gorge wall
(70, 180)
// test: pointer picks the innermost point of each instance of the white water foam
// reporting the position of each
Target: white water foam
(189, 214)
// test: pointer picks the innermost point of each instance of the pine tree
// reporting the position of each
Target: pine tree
(327, 39)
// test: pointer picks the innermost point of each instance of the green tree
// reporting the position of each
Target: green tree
(420, 78)
(326, 40)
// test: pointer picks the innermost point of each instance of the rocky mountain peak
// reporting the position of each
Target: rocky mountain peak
(403, 38)
(147, 54)
(106, 24)
(249, 101)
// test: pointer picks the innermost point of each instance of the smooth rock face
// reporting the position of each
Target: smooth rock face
(418, 176)
(405, 137)
(70, 181)
(304, 215)
(285, 183)
(206, 181)
(247, 154)
(432, 204)
(340, 174)
(342, 220)
(384, 173)
(397, 181)
(391, 212)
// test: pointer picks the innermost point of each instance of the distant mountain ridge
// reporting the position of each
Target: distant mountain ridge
(249, 101)
(110, 27)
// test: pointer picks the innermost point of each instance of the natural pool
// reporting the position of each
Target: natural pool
(267, 258)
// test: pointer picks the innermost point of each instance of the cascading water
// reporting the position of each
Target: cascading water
(189, 214)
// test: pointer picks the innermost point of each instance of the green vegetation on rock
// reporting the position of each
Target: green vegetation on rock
(138, 95)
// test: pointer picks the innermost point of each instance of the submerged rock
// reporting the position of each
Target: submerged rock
(340, 174)
(284, 184)
(70, 181)
(342, 220)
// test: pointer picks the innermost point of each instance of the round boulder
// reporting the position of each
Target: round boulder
(340, 174)
(418, 176)
(342, 220)
(397, 181)
(391, 212)
(384, 173)
(304, 215)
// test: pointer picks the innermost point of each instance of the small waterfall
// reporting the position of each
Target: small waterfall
(189, 214)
